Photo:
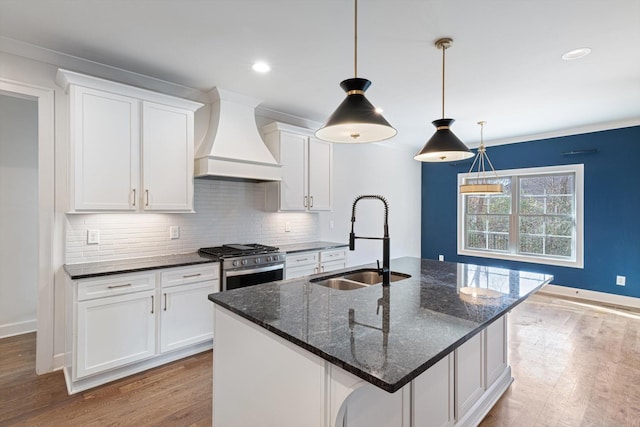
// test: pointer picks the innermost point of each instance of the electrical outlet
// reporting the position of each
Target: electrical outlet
(621, 280)
(93, 237)
(287, 227)
(331, 224)
(174, 232)
(440, 257)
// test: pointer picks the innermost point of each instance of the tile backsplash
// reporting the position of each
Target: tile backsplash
(226, 212)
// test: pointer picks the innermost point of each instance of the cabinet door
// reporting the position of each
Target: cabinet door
(496, 350)
(469, 382)
(186, 315)
(114, 331)
(320, 165)
(167, 152)
(293, 157)
(105, 142)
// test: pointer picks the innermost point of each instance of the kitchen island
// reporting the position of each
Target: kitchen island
(430, 349)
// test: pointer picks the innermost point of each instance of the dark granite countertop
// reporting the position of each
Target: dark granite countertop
(104, 268)
(311, 246)
(421, 319)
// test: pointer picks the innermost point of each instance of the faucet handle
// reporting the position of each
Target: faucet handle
(379, 269)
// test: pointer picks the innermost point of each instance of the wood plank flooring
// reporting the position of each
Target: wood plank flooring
(574, 364)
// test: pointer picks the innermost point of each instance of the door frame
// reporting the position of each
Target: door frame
(46, 215)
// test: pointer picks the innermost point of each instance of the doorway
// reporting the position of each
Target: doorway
(42, 220)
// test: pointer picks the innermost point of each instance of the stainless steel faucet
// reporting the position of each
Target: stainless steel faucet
(385, 271)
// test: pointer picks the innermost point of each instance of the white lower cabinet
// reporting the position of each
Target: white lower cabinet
(301, 264)
(115, 331)
(121, 324)
(186, 316)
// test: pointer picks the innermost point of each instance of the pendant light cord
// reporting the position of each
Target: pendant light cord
(444, 47)
(355, 40)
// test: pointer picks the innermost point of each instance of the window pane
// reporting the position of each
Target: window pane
(499, 204)
(476, 240)
(498, 223)
(559, 226)
(560, 246)
(531, 244)
(559, 205)
(476, 222)
(531, 205)
(498, 241)
(532, 225)
(476, 204)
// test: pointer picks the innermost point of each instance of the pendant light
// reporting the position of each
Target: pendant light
(482, 186)
(443, 146)
(356, 120)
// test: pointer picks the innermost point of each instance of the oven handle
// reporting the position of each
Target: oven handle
(253, 270)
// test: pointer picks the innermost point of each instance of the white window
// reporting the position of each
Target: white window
(538, 217)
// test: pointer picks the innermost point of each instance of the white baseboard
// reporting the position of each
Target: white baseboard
(18, 328)
(595, 296)
(58, 361)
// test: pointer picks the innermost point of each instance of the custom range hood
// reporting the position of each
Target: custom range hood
(232, 147)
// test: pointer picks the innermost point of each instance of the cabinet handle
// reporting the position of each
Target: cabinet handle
(165, 301)
(305, 201)
(301, 259)
(186, 276)
(315, 270)
(152, 304)
(322, 268)
(147, 196)
(134, 197)
(118, 286)
(311, 199)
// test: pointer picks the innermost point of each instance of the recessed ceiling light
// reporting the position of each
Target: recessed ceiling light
(261, 67)
(576, 53)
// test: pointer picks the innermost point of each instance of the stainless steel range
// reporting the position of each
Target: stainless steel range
(247, 265)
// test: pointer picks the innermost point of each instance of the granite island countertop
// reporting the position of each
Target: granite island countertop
(396, 332)
(130, 265)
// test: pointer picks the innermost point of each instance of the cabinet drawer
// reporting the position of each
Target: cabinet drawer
(189, 274)
(302, 258)
(118, 284)
(333, 255)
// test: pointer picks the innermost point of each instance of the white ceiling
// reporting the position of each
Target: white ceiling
(504, 65)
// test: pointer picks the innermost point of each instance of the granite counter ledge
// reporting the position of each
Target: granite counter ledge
(105, 268)
(311, 246)
(428, 318)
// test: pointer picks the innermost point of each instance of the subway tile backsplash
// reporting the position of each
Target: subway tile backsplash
(226, 212)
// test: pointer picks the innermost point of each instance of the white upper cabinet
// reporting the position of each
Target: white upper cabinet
(306, 169)
(167, 157)
(130, 149)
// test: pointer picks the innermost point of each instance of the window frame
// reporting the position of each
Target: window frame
(576, 262)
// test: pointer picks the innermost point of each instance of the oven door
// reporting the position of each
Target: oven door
(240, 278)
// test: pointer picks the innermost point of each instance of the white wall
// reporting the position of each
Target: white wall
(18, 215)
(384, 168)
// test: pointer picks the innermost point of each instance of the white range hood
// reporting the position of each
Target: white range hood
(232, 147)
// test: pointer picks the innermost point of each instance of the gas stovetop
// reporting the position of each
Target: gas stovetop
(236, 250)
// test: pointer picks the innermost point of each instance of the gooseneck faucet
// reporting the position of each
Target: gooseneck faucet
(385, 271)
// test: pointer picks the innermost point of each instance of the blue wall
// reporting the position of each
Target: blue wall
(611, 206)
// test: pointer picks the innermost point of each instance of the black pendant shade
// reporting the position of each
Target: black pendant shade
(356, 119)
(443, 146)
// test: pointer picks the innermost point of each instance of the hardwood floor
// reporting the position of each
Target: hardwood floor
(574, 365)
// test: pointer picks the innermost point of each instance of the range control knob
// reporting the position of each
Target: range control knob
(257, 260)
(235, 263)
(268, 259)
(244, 262)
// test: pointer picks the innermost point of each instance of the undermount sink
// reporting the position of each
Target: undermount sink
(356, 279)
